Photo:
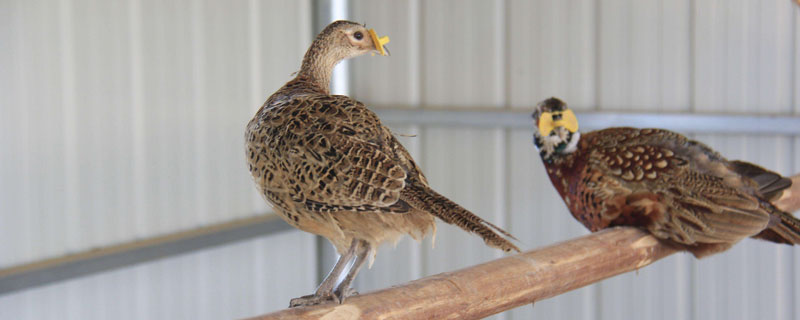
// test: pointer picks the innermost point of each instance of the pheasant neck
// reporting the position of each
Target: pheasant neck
(318, 65)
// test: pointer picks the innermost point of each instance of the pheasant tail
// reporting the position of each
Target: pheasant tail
(784, 228)
(426, 199)
(770, 184)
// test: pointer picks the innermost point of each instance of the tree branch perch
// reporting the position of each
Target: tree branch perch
(495, 286)
(790, 199)
(502, 284)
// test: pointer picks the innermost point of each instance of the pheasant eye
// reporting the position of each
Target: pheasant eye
(358, 35)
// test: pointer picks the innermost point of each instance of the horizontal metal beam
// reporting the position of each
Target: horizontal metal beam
(680, 122)
(113, 257)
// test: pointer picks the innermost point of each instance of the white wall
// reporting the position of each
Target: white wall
(123, 120)
(231, 282)
(652, 56)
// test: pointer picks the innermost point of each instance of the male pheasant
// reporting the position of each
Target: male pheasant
(679, 190)
(328, 166)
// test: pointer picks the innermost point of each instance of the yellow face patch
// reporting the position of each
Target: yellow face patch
(379, 42)
(550, 120)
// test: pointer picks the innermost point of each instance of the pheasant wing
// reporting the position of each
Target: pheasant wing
(677, 188)
(342, 157)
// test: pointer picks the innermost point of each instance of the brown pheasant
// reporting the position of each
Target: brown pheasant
(328, 166)
(678, 189)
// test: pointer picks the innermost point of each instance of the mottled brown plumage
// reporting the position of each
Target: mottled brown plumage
(328, 166)
(678, 189)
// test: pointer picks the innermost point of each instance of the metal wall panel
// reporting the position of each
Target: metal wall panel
(552, 51)
(660, 291)
(229, 282)
(124, 120)
(102, 133)
(462, 53)
(393, 80)
(31, 167)
(796, 62)
(609, 55)
(744, 55)
(644, 55)
(465, 165)
(127, 119)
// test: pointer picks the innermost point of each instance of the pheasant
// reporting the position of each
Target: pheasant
(681, 191)
(328, 166)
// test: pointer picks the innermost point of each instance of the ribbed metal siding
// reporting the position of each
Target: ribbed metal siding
(126, 118)
(229, 282)
(615, 55)
(552, 51)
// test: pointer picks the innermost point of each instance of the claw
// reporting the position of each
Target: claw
(341, 296)
(313, 299)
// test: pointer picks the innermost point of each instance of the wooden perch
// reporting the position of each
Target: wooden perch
(495, 286)
(502, 284)
(790, 200)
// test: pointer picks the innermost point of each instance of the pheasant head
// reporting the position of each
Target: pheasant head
(338, 41)
(556, 129)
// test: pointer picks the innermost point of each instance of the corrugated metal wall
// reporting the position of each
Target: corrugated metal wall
(122, 120)
(671, 56)
(231, 282)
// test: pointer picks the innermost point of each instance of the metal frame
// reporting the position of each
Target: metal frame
(521, 119)
(325, 12)
(95, 261)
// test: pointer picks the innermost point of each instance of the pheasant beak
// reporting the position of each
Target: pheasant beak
(379, 42)
(548, 121)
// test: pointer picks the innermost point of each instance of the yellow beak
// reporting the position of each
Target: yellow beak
(567, 120)
(379, 42)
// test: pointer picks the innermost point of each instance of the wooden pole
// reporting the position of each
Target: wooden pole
(790, 199)
(495, 286)
(499, 285)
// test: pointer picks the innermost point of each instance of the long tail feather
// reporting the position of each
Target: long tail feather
(784, 228)
(425, 198)
(770, 184)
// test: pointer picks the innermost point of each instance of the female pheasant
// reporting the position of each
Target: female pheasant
(328, 166)
(678, 189)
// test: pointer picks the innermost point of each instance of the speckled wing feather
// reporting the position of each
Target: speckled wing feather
(338, 154)
(676, 188)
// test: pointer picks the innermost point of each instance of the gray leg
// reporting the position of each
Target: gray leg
(343, 290)
(324, 292)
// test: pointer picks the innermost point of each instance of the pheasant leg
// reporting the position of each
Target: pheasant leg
(344, 290)
(324, 292)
